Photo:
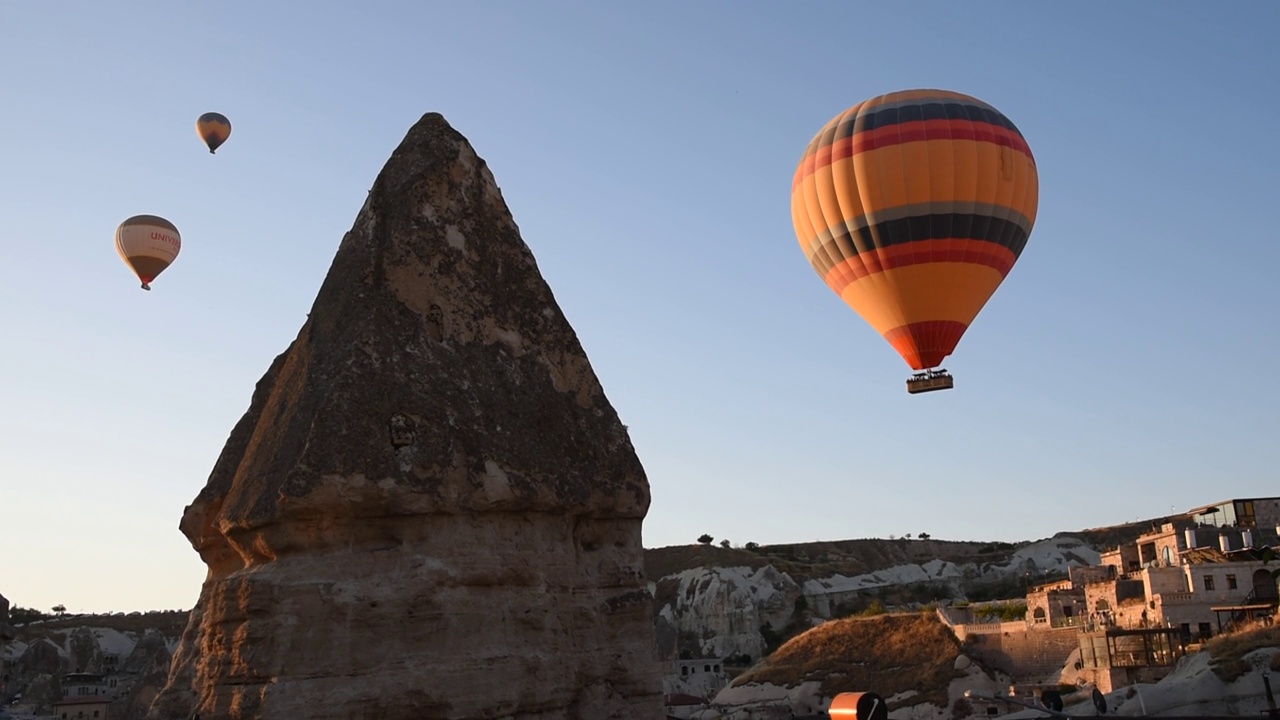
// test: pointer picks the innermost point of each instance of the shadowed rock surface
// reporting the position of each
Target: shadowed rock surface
(430, 509)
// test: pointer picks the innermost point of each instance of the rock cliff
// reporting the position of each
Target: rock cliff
(729, 610)
(430, 508)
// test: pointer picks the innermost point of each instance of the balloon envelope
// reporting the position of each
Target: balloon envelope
(913, 207)
(148, 244)
(214, 128)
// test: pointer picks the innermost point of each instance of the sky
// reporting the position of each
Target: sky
(646, 151)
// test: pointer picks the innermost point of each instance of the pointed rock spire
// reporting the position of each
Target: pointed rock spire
(430, 509)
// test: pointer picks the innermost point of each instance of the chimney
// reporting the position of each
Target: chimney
(1246, 538)
(1191, 538)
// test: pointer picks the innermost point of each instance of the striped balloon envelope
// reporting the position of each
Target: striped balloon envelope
(913, 207)
(214, 129)
(148, 244)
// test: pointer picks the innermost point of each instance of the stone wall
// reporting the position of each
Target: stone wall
(1025, 654)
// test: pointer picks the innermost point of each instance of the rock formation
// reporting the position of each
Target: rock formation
(430, 509)
(716, 609)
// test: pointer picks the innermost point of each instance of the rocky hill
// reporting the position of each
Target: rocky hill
(731, 603)
(923, 673)
(740, 605)
(131, 652)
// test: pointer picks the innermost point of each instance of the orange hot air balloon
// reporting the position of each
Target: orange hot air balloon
(913, 207)
(214, 128)
(147, 244)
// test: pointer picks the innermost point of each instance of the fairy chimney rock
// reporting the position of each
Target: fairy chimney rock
(430, 508)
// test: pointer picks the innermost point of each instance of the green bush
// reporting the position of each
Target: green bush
(875, 607)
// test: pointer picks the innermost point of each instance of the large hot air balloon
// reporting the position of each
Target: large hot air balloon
(913, 207)
(214, 128)
(148, 244)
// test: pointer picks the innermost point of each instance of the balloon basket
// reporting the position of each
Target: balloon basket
(929, 381)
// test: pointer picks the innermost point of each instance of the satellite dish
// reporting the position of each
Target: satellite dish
(1099, 701)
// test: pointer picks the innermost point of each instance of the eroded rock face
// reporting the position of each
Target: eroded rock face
(430, 509)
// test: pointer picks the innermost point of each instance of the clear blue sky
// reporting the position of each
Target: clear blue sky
(646, 151)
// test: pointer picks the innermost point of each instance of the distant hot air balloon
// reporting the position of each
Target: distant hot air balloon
(148, 244)
(913, 207)
(214, 128)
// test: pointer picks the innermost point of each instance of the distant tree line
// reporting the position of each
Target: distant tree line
(19, 615)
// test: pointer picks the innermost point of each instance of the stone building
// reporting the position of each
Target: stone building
(1261, 515)
(1056, 605)
(1183, 582)
(1197, 578)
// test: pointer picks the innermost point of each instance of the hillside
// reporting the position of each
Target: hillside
(740, 604)
(813, 560)
(806, 561)
(135, 650)
(170, 623)
(914, 662)
(912, 654)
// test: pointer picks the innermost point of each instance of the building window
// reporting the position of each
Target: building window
(1231, 582)
(1244, 514)
(1208, 582)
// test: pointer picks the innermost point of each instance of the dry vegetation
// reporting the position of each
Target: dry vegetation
(169, 622)
(804, 561)
(1226, 652)
(661, 562)
(889, 654)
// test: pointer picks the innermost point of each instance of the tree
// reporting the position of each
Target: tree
(20, 615)
(752, 546)
(907, 536)
(60, 609)
(923, 536)
(724, 544)
(705, 539)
